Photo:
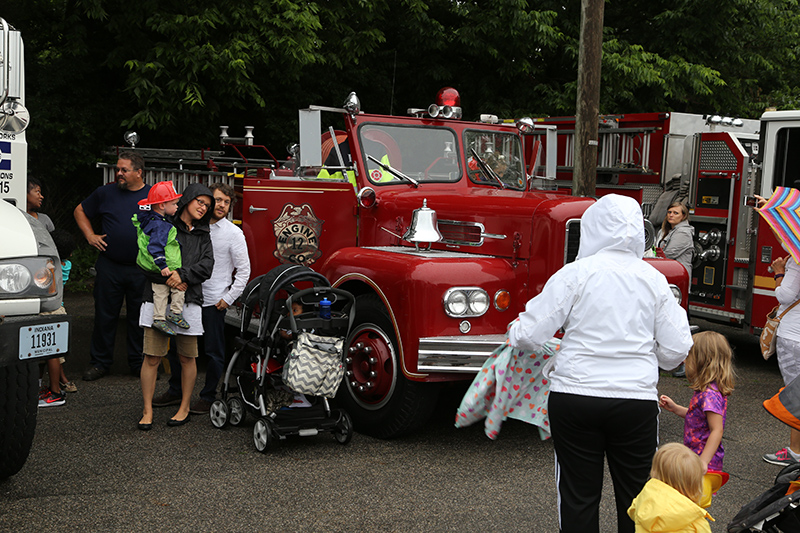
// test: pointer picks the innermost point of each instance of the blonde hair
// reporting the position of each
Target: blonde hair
(666, 226)
(710, 360)
(680, 468)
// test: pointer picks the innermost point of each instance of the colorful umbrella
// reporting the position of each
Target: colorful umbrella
(782, 213)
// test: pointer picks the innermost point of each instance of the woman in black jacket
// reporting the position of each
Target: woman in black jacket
(191, 220)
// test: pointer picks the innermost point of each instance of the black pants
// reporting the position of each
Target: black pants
(113, 284)
(585, 430)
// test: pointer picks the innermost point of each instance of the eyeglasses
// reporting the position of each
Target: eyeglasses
(123, 170)
(223, 201)
(202, 203)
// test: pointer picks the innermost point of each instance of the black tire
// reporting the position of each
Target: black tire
(380, 399)
(237, 411)
(344, 428)
(18, 406)
(219, 414)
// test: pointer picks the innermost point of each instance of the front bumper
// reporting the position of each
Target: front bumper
(53, 341)
(461, 354)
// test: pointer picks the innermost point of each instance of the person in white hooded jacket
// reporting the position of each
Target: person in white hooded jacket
(621, 322)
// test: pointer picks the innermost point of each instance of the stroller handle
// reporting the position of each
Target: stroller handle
(319, 293)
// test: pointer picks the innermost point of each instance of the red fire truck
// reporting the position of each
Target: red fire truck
(714, 163)
(434, 223)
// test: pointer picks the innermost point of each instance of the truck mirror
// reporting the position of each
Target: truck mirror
(310, 138)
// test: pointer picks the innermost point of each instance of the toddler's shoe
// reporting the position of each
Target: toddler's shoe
(52, 399)
(68, 386)
(161, 325)
(178, 320)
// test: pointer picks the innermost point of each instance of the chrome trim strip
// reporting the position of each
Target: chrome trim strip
(714, 313)
(460, 354)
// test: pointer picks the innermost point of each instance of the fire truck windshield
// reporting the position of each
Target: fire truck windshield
(424, 154)
(500, 152)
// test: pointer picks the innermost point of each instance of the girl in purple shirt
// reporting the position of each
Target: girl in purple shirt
(709, 368)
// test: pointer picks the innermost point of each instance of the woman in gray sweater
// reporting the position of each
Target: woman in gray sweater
(676, 236)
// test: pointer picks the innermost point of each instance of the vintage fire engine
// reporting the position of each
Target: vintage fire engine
(714, 163)
(434, 223)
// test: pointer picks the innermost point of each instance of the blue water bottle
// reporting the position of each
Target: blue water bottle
(324, 308)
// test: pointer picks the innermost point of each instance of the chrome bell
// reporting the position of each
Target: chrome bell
(424, 227)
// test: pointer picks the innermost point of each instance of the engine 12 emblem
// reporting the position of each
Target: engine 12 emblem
(297, 233)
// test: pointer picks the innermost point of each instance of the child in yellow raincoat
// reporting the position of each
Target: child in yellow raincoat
(669, 501)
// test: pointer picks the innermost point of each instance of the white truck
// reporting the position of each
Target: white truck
(30, 273)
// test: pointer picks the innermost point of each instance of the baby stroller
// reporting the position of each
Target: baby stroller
(776, 510)
(286, 365)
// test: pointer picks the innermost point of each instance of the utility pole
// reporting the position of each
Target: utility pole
(584, 178)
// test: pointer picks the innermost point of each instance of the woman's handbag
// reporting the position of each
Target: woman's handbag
(768, 337)
(315, 365)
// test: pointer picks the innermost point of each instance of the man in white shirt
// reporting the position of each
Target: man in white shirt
(228, 279)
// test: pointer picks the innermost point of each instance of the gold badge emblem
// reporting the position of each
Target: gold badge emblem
(297, 234)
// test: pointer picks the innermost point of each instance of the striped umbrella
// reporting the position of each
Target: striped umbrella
(782, 213)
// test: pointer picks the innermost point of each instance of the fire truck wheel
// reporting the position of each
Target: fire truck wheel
(380, 399)
(18, 405)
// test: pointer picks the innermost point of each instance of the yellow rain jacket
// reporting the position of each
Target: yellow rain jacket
(660, 508)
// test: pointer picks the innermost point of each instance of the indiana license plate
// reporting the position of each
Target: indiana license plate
(42, 340)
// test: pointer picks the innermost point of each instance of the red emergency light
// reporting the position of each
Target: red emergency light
(448, 104)
(448, 96)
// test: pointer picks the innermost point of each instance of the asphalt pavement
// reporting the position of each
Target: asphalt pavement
(90, 469)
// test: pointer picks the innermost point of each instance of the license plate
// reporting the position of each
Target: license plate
(43, 340)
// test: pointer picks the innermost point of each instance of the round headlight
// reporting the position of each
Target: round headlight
(478, 302)
(466, 302)
(457, 303)
(14, 278)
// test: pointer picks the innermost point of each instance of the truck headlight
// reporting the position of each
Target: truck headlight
(28, 277)
(14, 278)
(676, 292)
(465, 301)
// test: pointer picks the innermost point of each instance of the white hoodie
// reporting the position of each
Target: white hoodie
(620, 319)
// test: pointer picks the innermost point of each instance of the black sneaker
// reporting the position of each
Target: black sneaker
(93, 373)
(166, 399)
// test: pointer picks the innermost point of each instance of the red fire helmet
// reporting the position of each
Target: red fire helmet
(163, 191)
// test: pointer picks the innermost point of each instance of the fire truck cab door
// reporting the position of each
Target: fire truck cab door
(296, 220)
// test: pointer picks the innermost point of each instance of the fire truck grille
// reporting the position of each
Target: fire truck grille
(573, 240)
(461, 233)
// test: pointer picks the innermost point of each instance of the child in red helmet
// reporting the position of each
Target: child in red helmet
(160, 254)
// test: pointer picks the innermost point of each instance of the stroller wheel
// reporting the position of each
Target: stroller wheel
(344, 428)
(263, 433)
(219, 414)
(236, 410)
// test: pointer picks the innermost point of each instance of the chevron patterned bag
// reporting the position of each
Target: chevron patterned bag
(314, 365)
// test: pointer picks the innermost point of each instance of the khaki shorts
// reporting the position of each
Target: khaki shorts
(59, 311)
(157, 343)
